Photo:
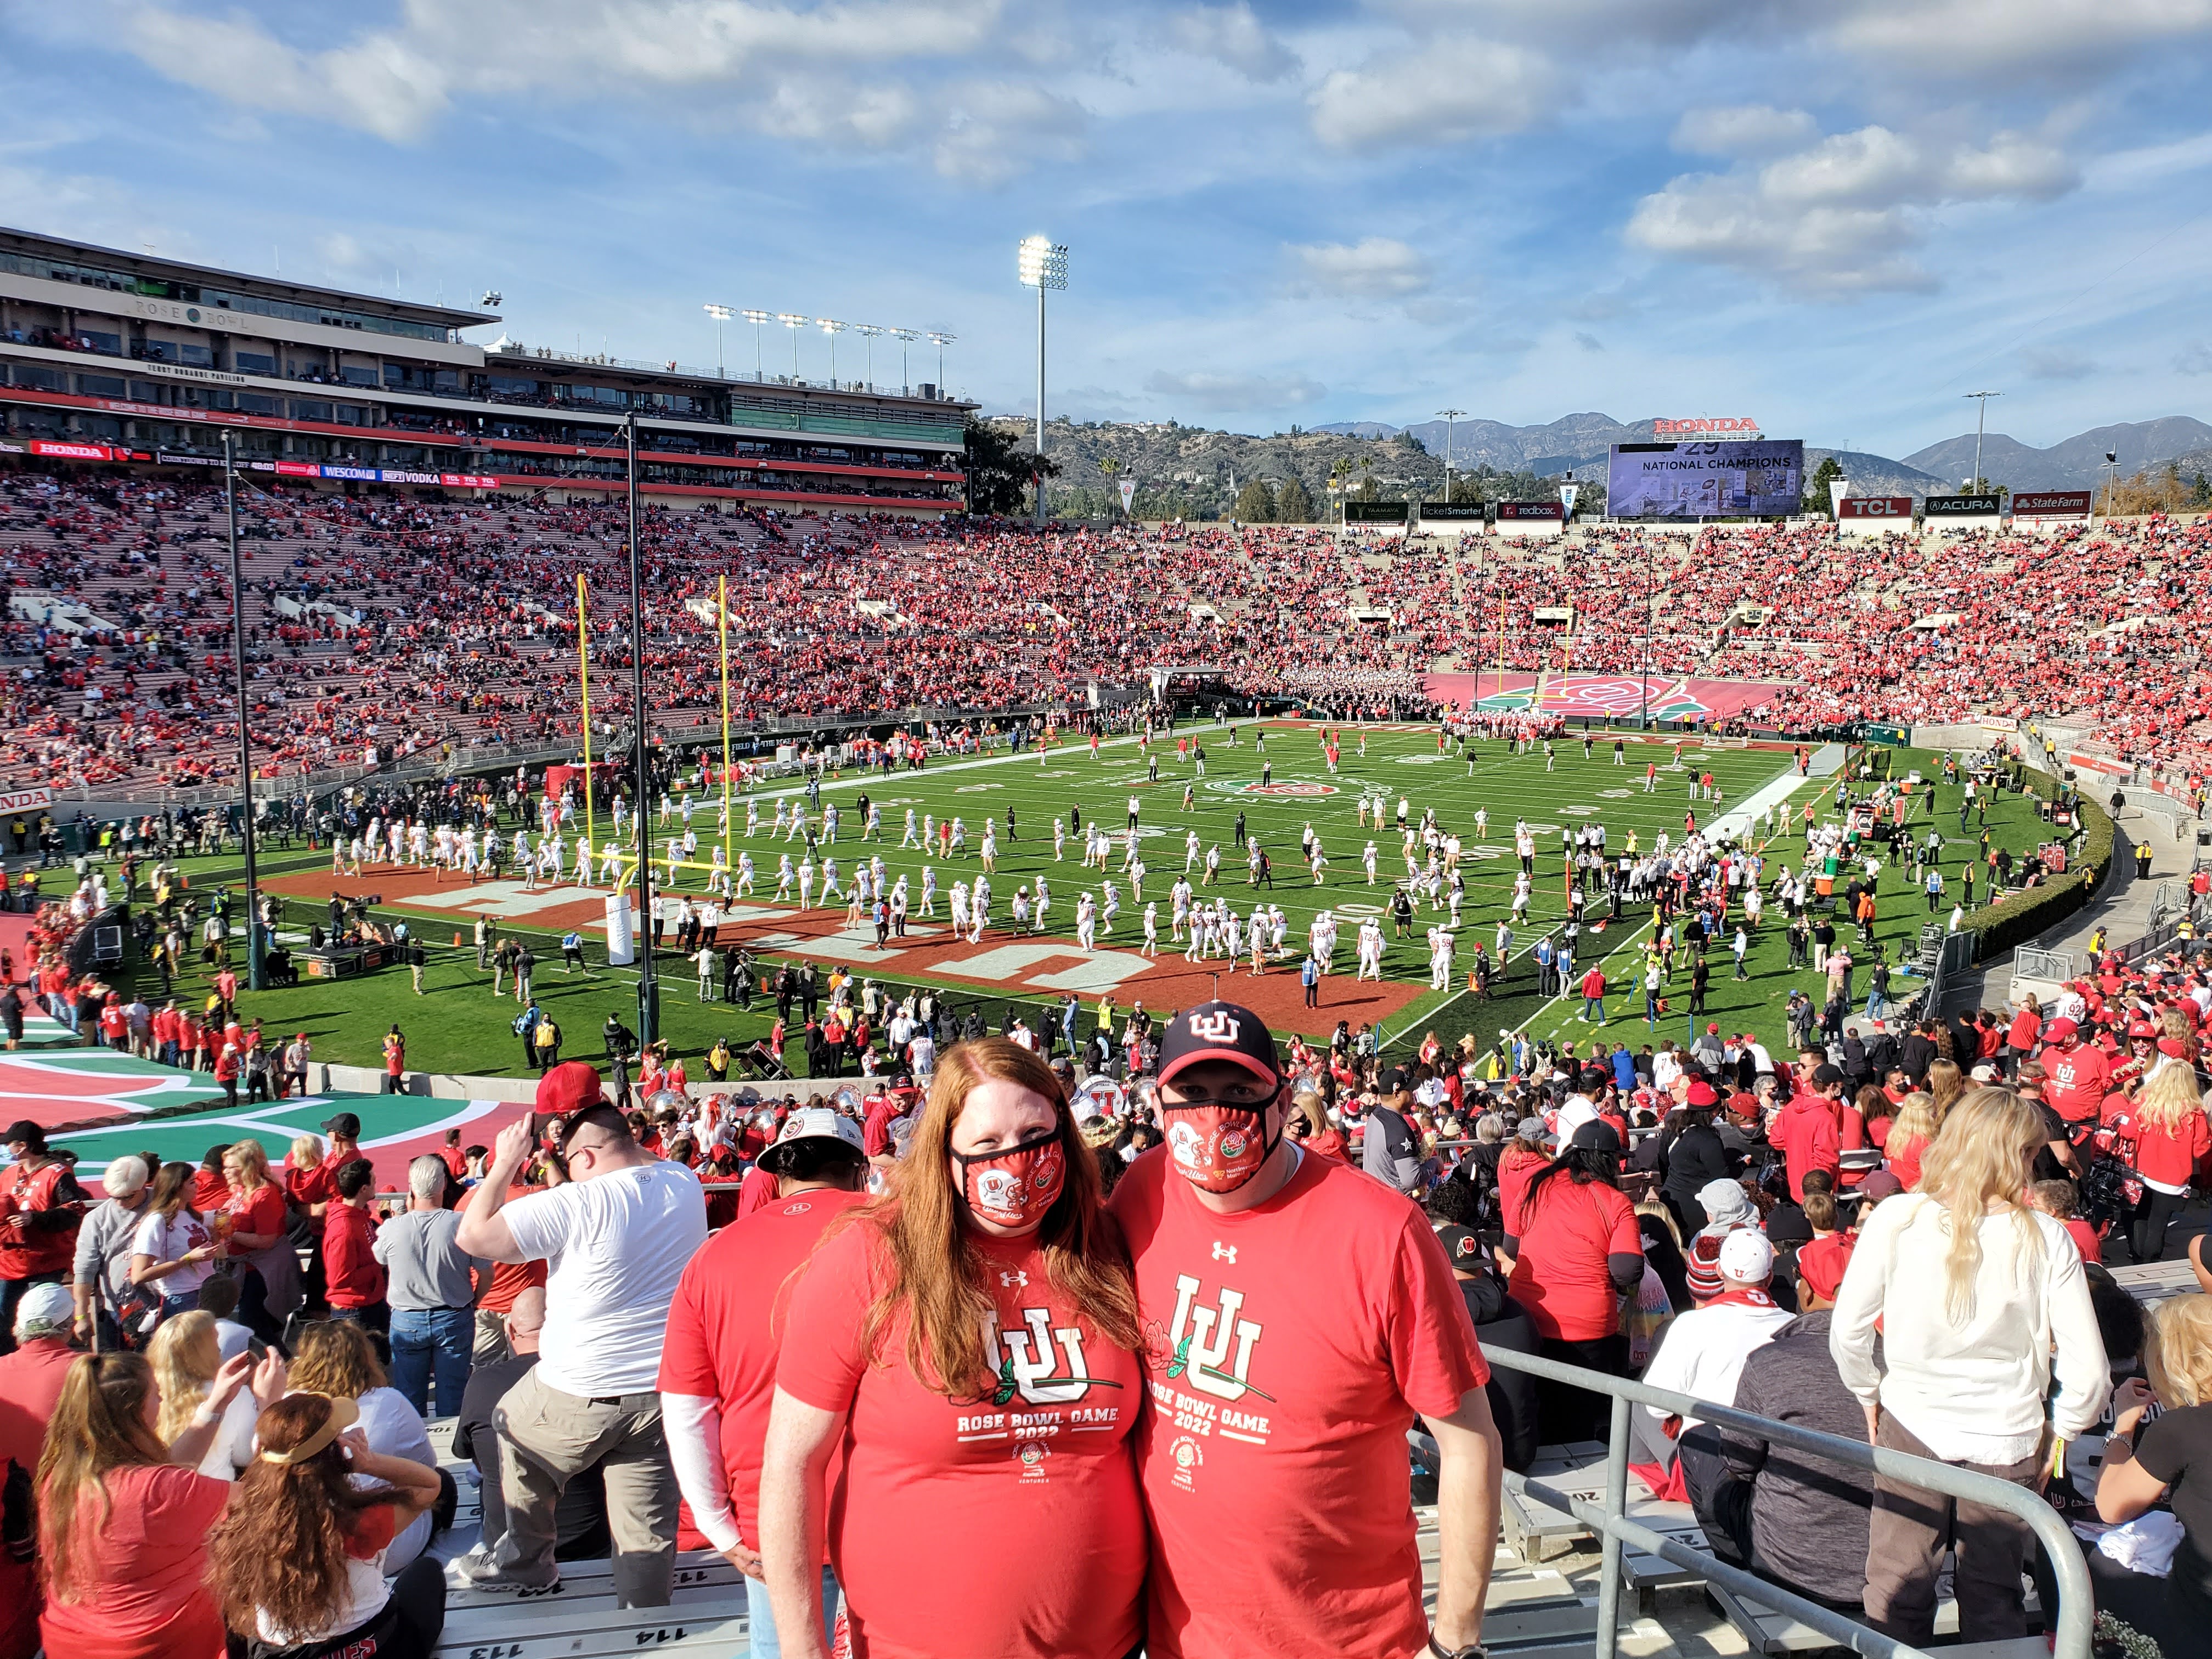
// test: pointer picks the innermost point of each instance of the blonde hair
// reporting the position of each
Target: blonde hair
(1653, 1207)
(1946, 1082)
(2177, 1350)
(252, 1159)
(185, 1356)
(336, 1358)
(306, 1151)
(98, 1426)
(1918, 1118)
(1978, 1162)
(2175, 1027)
(2170, 1096)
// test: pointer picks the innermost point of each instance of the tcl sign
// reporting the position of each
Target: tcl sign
(1705, 427)
(1875, 507)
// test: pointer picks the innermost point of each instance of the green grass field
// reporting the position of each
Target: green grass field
(457, 1027)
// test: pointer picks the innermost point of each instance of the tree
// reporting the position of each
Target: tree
(1466, 490)
(1816, 487)
(1255, 504)
(1292, 504)
(1000, 469)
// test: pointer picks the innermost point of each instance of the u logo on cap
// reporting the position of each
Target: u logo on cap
(1216, 1027)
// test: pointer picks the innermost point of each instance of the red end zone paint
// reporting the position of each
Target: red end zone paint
(1673, 697)
(1042, 965)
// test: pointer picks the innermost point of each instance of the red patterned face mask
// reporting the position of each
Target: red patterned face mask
(1218, 1148)
(1015, 1186)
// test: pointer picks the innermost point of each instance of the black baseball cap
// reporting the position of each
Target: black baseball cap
(24, 1130)
(344, 1123)
(1462, 1245)
(1596, 1136)
(1823, 1076)
(1220, 1030)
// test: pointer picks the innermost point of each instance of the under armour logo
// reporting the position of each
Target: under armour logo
(1216, 1027)
(1016, 1279)
(1224, 1252)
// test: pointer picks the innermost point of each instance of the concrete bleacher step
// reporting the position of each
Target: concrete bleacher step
(2155, 1282)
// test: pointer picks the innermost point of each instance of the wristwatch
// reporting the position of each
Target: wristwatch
(1472, 1650)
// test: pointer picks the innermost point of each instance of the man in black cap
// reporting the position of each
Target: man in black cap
(1302, 1316)
(40, 1207)
(344, 1131)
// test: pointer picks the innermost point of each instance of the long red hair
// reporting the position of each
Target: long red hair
(937, 1271)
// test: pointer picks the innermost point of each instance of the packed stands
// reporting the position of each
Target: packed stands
(383, 628)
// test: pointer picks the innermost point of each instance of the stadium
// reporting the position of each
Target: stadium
(619, 898)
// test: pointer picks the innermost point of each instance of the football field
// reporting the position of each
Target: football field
(1277, 779)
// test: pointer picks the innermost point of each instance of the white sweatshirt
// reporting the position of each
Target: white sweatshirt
(1972, 1393)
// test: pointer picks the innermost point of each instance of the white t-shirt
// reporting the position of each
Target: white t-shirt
(615, 1246)
(166, 1241)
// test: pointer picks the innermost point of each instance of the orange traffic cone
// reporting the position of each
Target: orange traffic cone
(457, 939)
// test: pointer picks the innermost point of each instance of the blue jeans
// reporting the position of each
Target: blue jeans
(761, 1617)
(1877, 1005)
(437, 1340)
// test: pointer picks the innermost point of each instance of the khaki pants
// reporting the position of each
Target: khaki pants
(1911, 1528)
(490, 1346)
(546, 1439)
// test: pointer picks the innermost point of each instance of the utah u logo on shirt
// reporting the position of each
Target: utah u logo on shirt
(1027, 1364)
(1212, 1345)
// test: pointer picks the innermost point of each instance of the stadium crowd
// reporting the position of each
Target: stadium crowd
(1169, 1324)
(380, 628)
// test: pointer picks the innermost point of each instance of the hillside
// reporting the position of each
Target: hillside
(1194, 473)
(2076, 463)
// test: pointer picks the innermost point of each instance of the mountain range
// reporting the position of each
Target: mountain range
(1581, 441)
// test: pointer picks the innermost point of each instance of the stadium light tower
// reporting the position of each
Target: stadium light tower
(794, 322)
(256, 978)
(871, 332)
(833, 328)
(756, 318)
(905, 337)
(1450, 416)
(722, 314)
(1042, 264)
(1980, 420)
(940, 340)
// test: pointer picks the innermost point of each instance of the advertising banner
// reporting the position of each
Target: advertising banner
(1875, 507)
(1454, 512)
(1374, 512)
(1964, 507)
(2052, 504)
(1761, 480)
(77, 451)
(25, 800)
(1528, 511)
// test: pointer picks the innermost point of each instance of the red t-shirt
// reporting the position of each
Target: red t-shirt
(1560, 1272)
(210, 1191)
(2077, 1077)
(2086, 1239)
(929, 1484)
(310, 1187)
(725, 1324)
(2169, 1156)
(24, 1250)
(508, 1278)
(1903, 1155)
(2026, 1026)
(262, 1212)
(30, 1382)
(1292, 1346)
(140, 1589)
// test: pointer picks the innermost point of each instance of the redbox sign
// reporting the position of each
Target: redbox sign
(1705, 427)
(2050, 503)
(1876, 506)
(1509, 512)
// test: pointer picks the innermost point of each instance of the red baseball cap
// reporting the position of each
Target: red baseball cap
(2058, 1030)
(567, 1087)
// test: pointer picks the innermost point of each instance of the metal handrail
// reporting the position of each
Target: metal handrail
(2076, 1604)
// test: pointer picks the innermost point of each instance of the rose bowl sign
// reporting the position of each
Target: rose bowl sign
(1705, 426)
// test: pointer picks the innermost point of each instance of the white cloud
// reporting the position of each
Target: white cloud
(1742, 130)
(1220, 392)
(1232, 35)
(2197, 359)
(997, 128)
(1373, 268)
(1956, 38)
(1441, 92)
(1841, 217)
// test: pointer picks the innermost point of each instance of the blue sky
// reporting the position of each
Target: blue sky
(1310, 211)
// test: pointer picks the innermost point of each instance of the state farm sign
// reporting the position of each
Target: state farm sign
(1707, 426)
(2051, 504)
(1875, 507)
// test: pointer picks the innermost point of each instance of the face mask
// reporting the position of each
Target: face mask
(1218, 1148)
(1015, 1186)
